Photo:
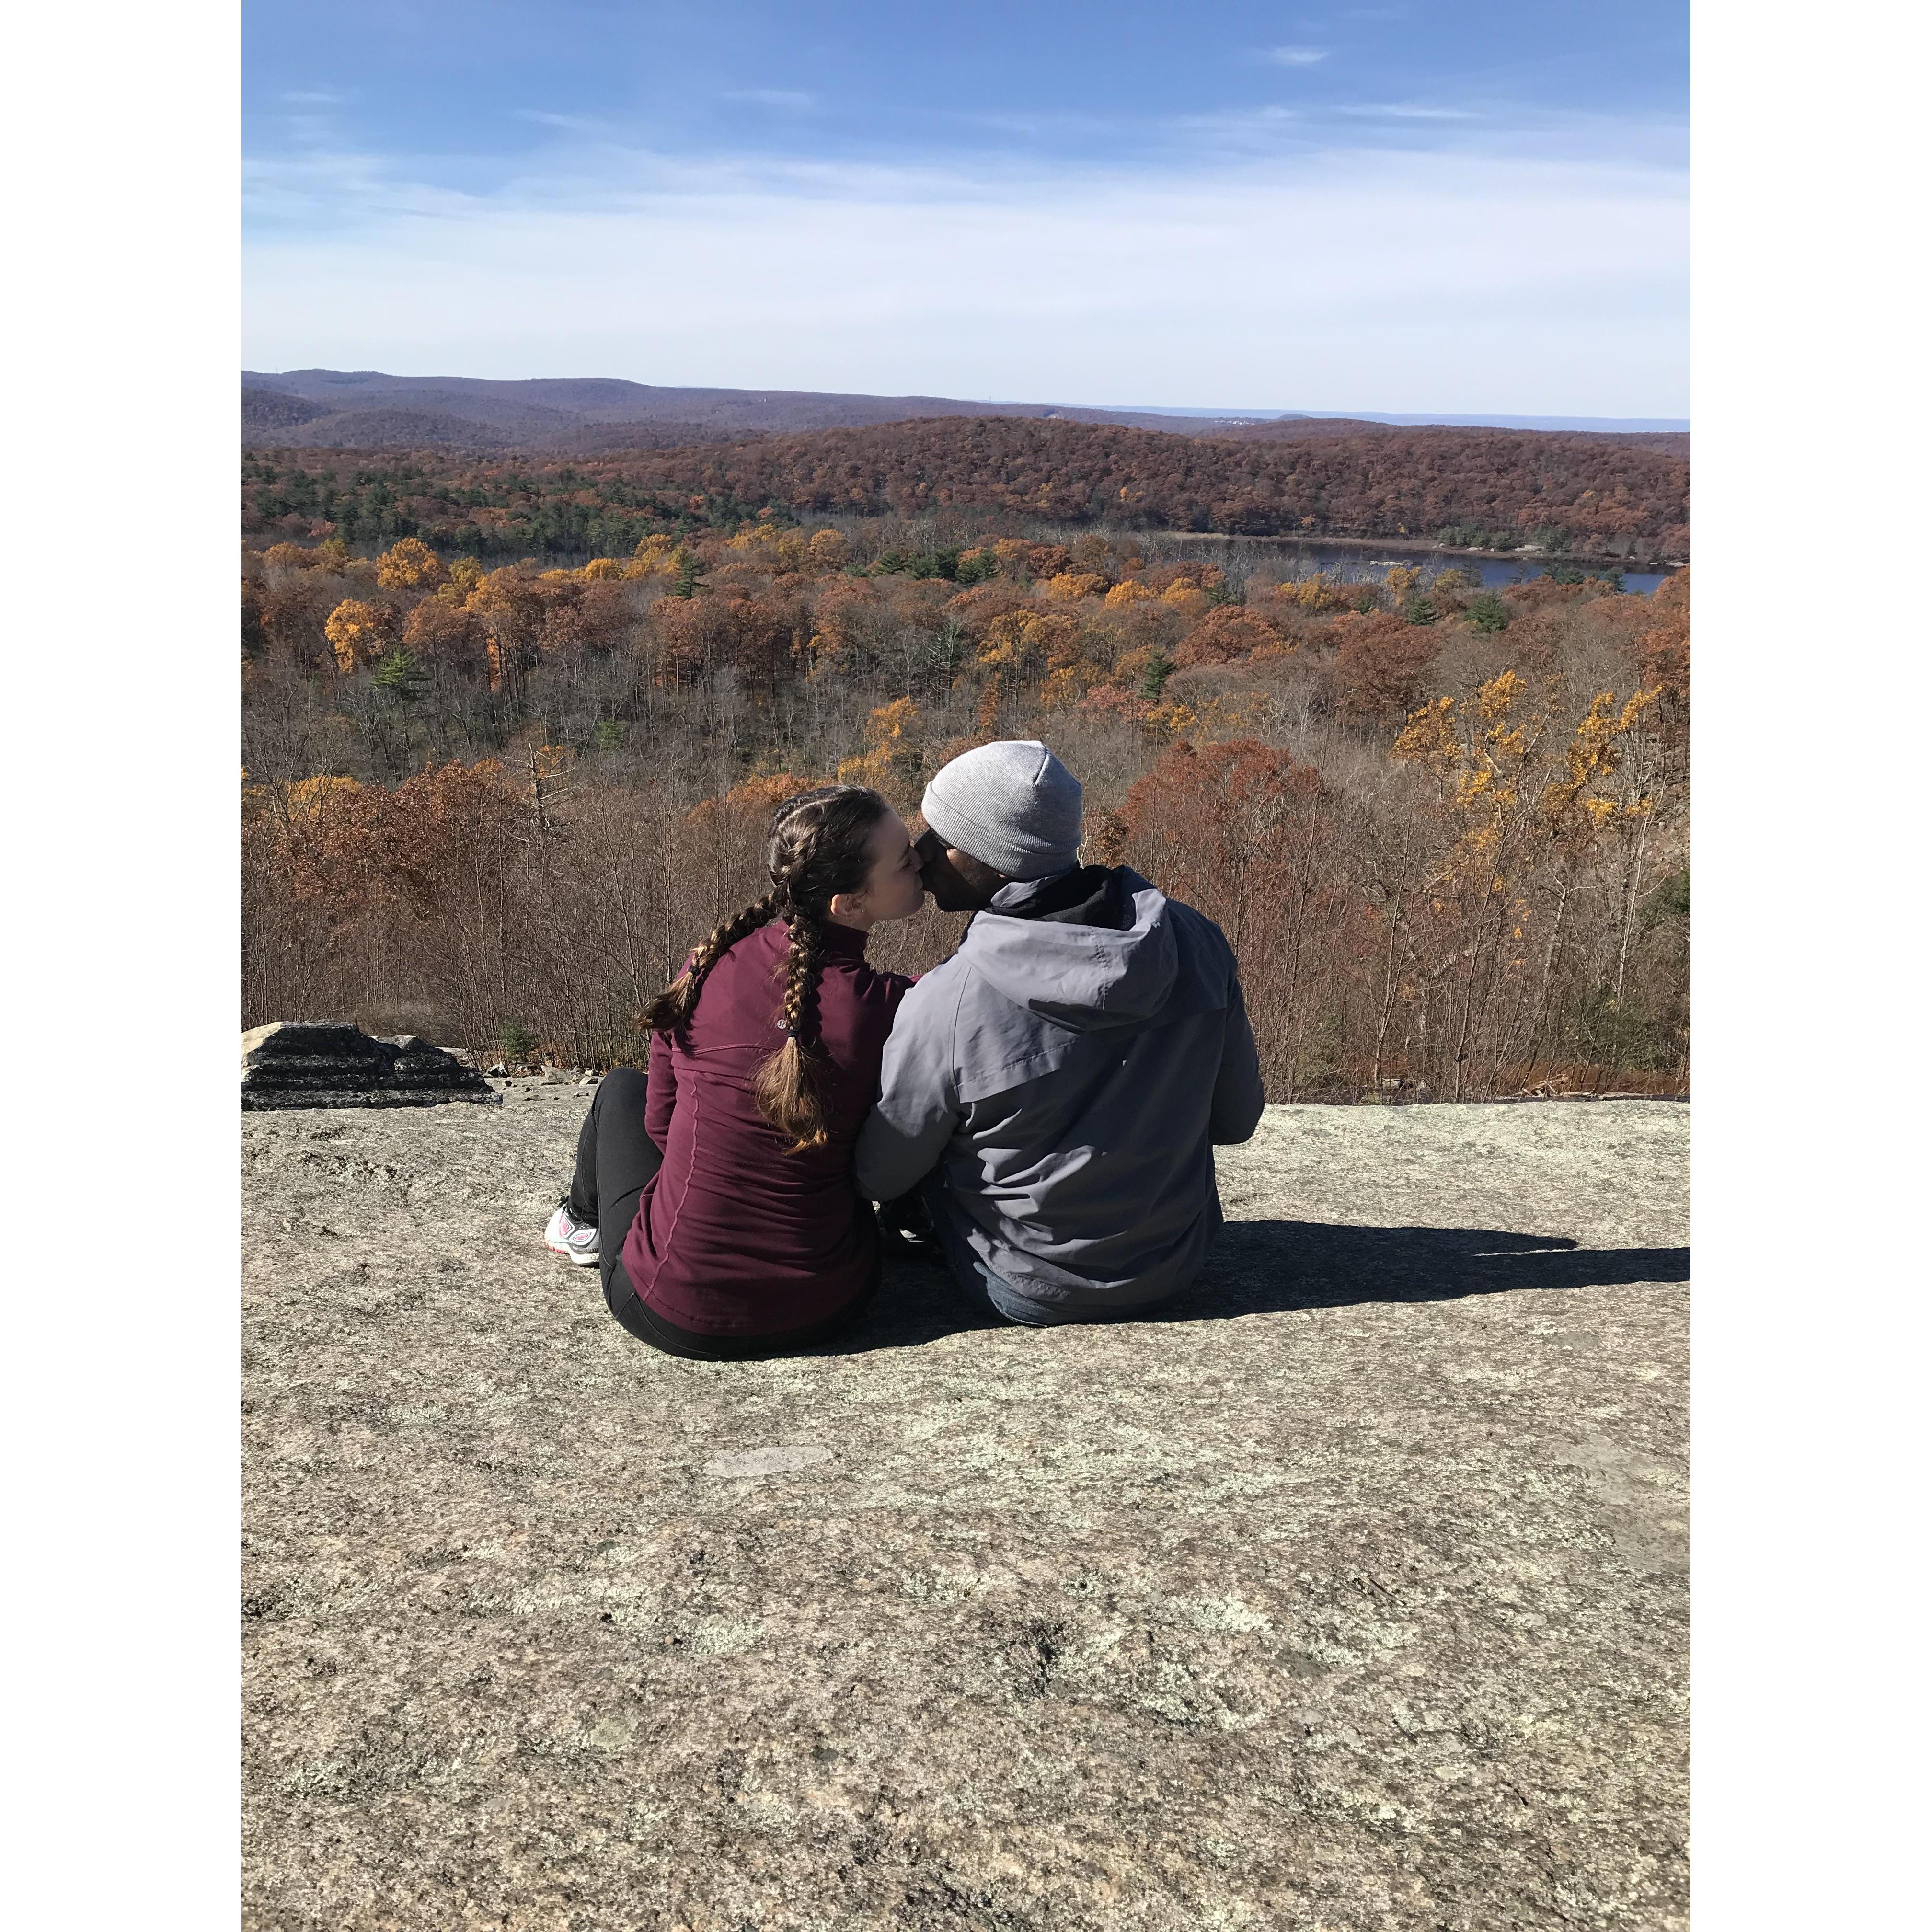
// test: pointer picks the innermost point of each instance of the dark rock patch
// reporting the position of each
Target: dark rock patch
(330, 1063)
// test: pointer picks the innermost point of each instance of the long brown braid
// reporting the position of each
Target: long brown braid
(820, 844)
(673, 1006)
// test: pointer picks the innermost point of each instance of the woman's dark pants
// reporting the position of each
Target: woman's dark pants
(616, 1159)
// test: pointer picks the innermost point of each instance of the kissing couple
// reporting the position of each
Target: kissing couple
(1040, 1111)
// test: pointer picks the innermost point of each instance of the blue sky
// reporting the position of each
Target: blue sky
(1452, 206)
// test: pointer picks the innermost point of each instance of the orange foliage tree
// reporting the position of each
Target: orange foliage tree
(1246, 834)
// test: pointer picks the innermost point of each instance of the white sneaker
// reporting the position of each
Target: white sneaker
(575, 1241)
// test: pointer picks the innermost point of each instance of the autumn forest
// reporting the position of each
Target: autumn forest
(1617, 496)
(511, 732)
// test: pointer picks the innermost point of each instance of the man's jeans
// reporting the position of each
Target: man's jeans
(993, 1293)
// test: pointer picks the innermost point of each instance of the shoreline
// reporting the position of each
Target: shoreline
(1419, 546)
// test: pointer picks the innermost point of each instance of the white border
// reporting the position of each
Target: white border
(1808, 411)
(120, 1355)
(1812, 646)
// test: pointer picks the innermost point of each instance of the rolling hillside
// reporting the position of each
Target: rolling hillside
(1604, 492)
(367, 409)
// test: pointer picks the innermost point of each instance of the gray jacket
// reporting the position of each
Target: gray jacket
(1072, 1066)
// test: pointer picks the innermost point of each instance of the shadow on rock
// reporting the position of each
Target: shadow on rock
(1263, 1267)
(1267, 1267)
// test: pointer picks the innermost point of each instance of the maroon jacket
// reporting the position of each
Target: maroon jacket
(735, 1236)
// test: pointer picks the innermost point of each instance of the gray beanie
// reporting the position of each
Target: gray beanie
(1012, 805)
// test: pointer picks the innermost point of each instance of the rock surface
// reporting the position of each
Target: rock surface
(329, 1063)
(1352, 1597)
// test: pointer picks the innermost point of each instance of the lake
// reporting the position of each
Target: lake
(1357, 563)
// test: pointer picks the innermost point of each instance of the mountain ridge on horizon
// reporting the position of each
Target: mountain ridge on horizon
(317, 407)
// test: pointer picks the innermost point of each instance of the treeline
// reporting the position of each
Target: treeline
(1444, 827)
(1594, 495)
(1303, 429)
(480, 507)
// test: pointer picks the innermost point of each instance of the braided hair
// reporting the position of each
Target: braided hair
(820, 844)
(674, 1005)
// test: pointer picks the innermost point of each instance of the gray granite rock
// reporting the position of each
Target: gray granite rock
(1350, 1596)
(329, 1063)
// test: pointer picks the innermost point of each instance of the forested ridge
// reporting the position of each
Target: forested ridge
(1586, 495)
(1445, 828)
(367, 409)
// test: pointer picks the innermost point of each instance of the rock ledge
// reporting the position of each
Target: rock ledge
(1348, 1598)
(330, 1063)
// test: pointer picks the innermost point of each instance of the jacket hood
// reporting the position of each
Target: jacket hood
(1087, 977)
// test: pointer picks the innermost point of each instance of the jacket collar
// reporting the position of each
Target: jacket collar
(1082, 895)
(843, 942)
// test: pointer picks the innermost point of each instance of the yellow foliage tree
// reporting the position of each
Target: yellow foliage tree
(1319, 591)
(1123, 594)
(1071, 585)
(827, 550)
(1401, 582)
(1023, 642)
(781, 549)
(1525, 796)
(652, 557)
(410, 565)
(309, 798)
(890, 753)
(358, 633)
(1494, 764)
(1185, 597)
(888, 725)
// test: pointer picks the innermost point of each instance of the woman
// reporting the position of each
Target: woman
(717, 1196)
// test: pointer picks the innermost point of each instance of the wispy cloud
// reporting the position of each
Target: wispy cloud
(570, 124)
(770, 96)
(308, 115)
(1358, 276)
(1297, 56)
(1239, 130)
(1058, 124)
(1396, 111)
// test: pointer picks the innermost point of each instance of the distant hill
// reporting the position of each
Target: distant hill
(269, 409)
(272, 420)
(1482, 489)
(1311, 429)
(566, 416)
(1382, 482)
(1568, 425)
(363, 409)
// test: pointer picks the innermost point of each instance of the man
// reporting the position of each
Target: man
(1055, 1089)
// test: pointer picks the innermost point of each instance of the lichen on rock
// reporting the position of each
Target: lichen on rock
(1350, 1594)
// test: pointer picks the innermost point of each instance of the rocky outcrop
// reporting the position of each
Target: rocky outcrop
(330, 1063)
(1348, 1593)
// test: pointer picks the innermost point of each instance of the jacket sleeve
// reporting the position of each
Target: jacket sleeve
(660, 1095)
(1236, 1109)
(906, 1133)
